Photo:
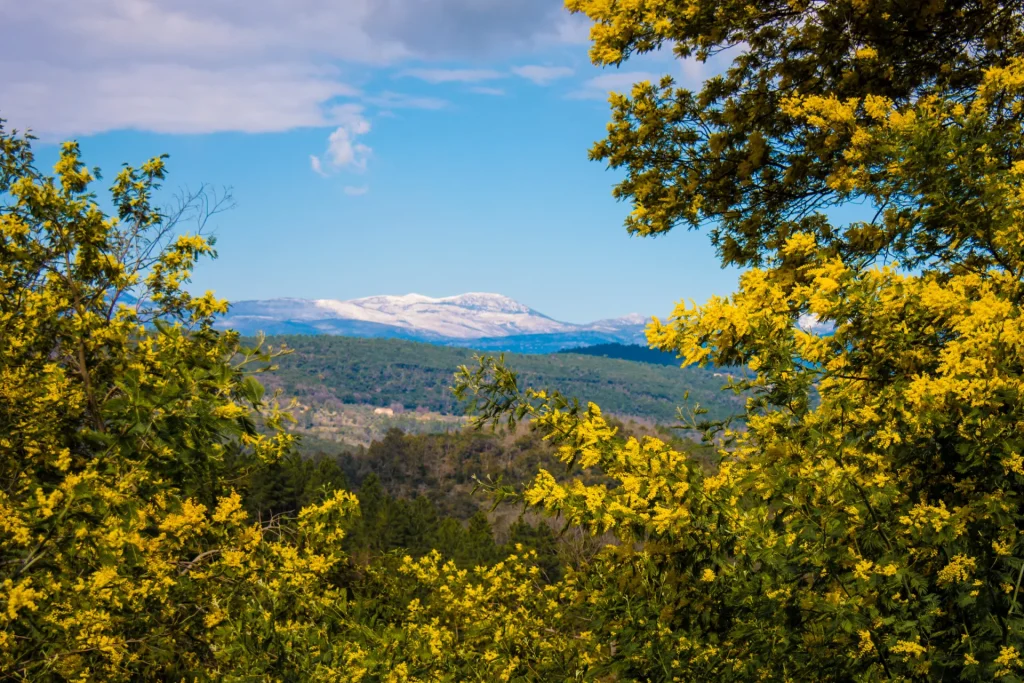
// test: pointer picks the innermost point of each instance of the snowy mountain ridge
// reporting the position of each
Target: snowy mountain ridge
(482, 316)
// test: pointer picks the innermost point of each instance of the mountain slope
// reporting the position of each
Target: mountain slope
(476, 320)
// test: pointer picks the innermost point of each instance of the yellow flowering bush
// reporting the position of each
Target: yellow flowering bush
(124, 416)
(126, 424)
(862, 520)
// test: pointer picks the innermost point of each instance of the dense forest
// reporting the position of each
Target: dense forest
(633, 352)
(415, 525)
(329, 370)
(445, 468)
(422, 492)
(162, 519)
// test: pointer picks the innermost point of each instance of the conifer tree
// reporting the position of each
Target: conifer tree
(479, 548)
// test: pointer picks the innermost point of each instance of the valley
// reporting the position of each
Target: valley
(340, 381)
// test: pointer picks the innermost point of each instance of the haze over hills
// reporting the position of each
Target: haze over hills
(474, 320)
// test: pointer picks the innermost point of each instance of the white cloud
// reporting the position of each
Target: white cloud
(435, 29)
(351, 117)
(542, 75)
(573, 29)
(167, 98)
(344, 151)
(453, 75)
(197, 66)
(617, 81)
(316, 165)
(481, 90)
(356, 191)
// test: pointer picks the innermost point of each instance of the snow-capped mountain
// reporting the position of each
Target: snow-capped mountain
(488, 321)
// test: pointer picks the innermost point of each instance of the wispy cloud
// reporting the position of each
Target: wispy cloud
(619, 81)
(483, 90)
(453, 75)
(356, 191)
(343, 149)
(168, 98)
(573, 29)
(316, 165)
(542, 75)
(394, 100)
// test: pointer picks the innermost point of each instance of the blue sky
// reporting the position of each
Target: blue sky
(373, 146)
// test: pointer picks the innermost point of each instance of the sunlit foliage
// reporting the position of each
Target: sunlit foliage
(128, 425)
(863, 522)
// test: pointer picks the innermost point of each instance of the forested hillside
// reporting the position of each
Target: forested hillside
(326, 370)
(633, 352)
(421, 492)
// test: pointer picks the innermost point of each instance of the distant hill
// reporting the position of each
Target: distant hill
(633, 352)
(325, 370)
(475, 320)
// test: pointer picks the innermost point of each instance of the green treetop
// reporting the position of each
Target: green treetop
(733, 156)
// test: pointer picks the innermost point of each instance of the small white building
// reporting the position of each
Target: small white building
(383, 411)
